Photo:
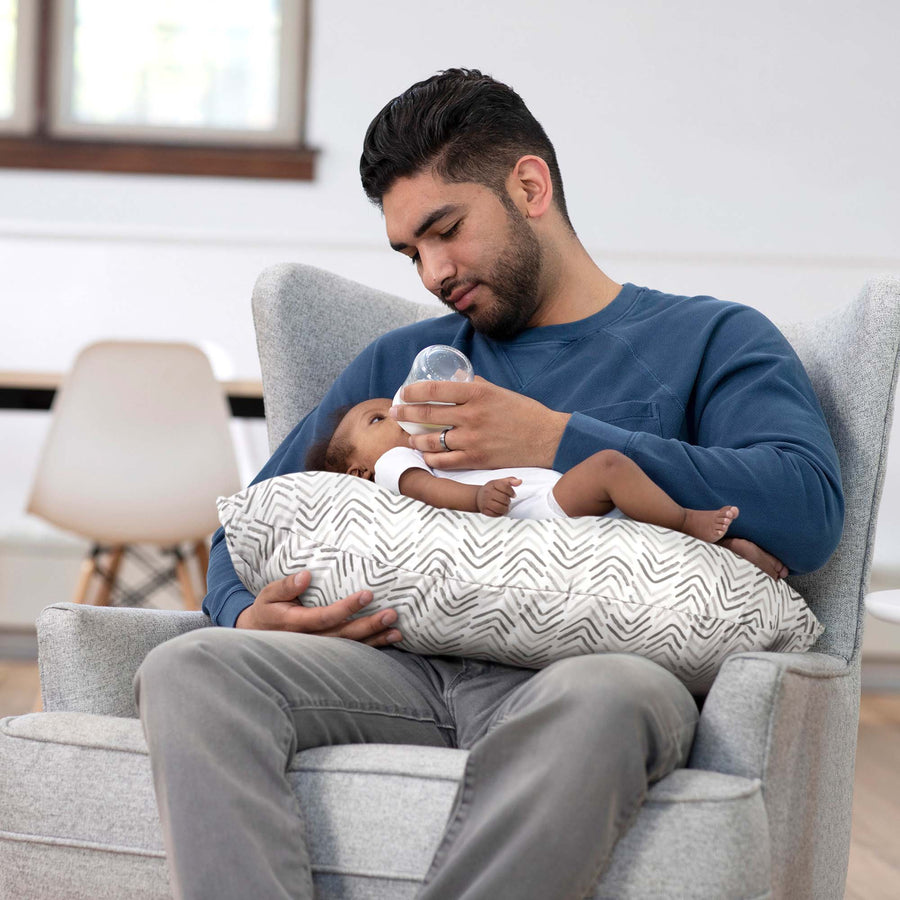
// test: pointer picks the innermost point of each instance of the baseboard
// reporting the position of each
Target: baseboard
(18, 643)
(880, 675)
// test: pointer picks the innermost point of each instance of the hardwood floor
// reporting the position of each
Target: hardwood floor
(875, 845)
(19, 686)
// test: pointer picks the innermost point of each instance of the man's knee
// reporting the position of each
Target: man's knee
(607, 686)
(180, 661)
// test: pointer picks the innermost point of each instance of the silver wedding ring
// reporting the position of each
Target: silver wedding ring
(443, 438)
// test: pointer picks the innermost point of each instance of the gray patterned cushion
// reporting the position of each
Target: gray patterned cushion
(516, 591)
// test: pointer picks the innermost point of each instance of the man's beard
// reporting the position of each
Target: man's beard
(514, 284)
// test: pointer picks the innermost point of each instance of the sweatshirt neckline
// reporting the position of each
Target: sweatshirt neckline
(567, 331)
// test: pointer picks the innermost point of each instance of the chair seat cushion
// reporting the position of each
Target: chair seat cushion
(79, 819)
(515, 591)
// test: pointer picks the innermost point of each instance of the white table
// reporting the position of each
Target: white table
(884, 605)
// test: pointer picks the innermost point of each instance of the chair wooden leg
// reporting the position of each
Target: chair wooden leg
(202, 552)
(88, 569)
(109, 578)
(184, 579)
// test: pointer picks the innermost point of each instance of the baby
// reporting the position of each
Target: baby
(368, 443)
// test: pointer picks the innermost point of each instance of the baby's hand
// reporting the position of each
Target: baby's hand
(493, 498)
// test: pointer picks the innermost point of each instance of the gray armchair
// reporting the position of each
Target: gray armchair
(761, 810)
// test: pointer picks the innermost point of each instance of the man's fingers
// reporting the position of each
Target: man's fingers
(437, 392)
(370, 629)
(286, 589)
(322, 619)
(385, 639)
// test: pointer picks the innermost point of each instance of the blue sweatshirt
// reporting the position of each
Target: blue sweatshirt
(707, 397)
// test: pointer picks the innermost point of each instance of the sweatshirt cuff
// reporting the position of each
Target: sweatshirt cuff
(585, 436)
(232, 606)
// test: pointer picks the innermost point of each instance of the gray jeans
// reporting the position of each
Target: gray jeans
(225, 710)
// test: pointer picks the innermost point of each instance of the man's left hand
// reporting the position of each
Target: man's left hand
(492, 427)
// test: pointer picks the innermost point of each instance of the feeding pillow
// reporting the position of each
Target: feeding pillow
(518, 591)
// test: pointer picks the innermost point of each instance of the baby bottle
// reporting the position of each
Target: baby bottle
(435, 363)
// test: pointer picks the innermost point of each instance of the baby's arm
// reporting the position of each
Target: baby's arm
(492, 499)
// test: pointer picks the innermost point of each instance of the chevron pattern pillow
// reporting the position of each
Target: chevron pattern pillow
(517, 591)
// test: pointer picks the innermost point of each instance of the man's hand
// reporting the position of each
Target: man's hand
(493, 498)
(493, 427)
(277, 608)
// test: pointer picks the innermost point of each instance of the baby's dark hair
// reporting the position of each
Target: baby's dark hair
(326, 454)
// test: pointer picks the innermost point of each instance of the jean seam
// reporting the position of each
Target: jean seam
(624, 821)
(373, 710)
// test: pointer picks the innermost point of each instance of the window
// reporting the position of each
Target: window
(17, 42)
(178, 86)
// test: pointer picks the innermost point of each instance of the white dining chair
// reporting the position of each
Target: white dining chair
(137, 452)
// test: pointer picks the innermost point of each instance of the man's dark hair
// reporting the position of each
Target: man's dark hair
(462, 124)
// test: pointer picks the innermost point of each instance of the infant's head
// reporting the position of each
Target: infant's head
(363, 433)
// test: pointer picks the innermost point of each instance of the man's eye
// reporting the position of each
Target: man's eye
(414, 259)
(446, 235)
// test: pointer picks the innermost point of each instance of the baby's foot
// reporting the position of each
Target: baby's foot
(709, 524)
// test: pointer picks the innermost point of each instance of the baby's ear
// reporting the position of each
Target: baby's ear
(358, 471)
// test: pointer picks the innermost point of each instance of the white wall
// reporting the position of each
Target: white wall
(743, 150)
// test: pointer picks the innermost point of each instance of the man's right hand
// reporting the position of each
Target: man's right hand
(277, 608)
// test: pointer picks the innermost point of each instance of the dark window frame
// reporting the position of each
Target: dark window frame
(40, 149)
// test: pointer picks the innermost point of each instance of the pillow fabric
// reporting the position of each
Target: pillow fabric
(517, 591)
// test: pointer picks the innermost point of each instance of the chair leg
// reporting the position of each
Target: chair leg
(184, 579)
(109, 577)
(201, 550)
(88, 569)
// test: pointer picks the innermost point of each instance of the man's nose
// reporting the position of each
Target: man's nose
(437, 269)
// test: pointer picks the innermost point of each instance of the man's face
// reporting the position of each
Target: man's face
(473, 252)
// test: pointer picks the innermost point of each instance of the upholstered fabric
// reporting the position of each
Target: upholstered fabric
(88, 658)
(790, 720)
(320, 324)
(851, 358)
(79, 820)
(518, 591)
(79, 815)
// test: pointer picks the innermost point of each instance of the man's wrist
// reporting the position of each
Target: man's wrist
(245, 618)
(550, 439)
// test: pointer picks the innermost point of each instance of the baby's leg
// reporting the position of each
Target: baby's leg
(610, 479)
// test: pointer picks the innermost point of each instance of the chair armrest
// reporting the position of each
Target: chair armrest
(790, 720)
(88, 655)
(758, 697)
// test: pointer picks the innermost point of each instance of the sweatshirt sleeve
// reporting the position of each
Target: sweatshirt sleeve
(754, 436)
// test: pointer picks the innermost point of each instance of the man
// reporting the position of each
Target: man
(705, 396)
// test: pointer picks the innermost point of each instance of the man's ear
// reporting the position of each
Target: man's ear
(530, 186)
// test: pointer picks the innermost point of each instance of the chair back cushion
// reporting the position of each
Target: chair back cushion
(310, 325)
(851, 358)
